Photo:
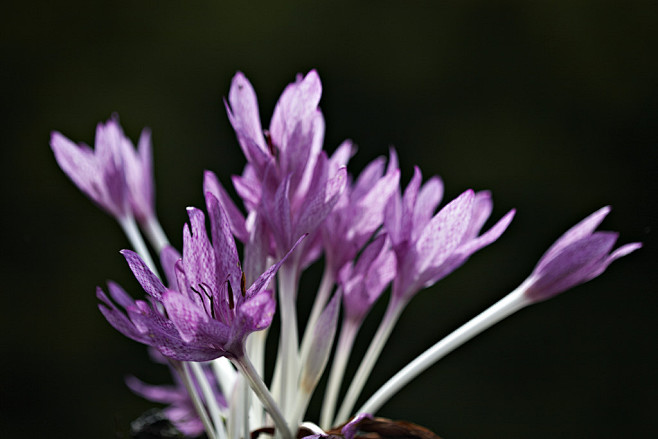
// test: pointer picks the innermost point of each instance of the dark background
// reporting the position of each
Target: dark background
(550, 105)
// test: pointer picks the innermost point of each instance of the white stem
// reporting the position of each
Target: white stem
(508, 305)
(343, 349)
(225, 373)
(154, 233)
(246, 394)
(256, 351)
(211, 400)
(363, 372)
(198, 405)
(259, 388)
(131, 230)
(236, 409)
(288, 344)
(321, 299)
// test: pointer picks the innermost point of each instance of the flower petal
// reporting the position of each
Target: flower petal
(149, 281)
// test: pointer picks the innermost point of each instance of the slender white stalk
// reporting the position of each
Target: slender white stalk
(129, 226)
(256, 352)
(236, 409)
(368, 362)
(321, 299)
(154, 233)
(198, 405)
(209, 395)
(246, 392)
(259, 388)
(288, 344)
(225, 373)
(343, 349)
(508, 305)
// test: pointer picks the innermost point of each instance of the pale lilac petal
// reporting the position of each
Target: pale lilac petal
(393, 221)
(236, 218)
(278, 215)
(580, 230)
(225, 251)
(444, 232)
(198, 260)
(428, 200)
(463, 252)
(248, 189)
(78, 163)
(341, 156)
(257, 248)
(297, 102)
(243, 113)
(370, 175)
(185, 314)
(476, 243)
(108, 150)
(139, 175)
(118, 319)
(162, 394)
(482, 208)
(168, 258)
(370, 212)
(408, 203)
(256, 313)
(574, 264)
(321, 202)
(393, 162)
(364, 282)
(303, 147)
(149, 281)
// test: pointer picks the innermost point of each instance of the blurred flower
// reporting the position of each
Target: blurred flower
(114, 175)
(581, 254)
(180, 410)
(358, 213)
(364, 281)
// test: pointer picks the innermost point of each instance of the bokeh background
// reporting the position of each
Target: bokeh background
(551, 105)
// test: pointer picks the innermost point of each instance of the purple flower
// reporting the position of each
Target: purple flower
(211, 311)
(429, 247)
(114, 175)
(180, 410)
(363, 282)
(581, 254)
(296, 132)
(288, 180)
(359, 212)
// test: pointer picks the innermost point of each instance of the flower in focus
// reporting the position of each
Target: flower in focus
(204, 318)
(581, 254)
(114, 175)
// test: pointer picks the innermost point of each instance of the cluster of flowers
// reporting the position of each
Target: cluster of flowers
(208, 314)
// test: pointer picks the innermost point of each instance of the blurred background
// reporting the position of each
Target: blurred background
(551, 105)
